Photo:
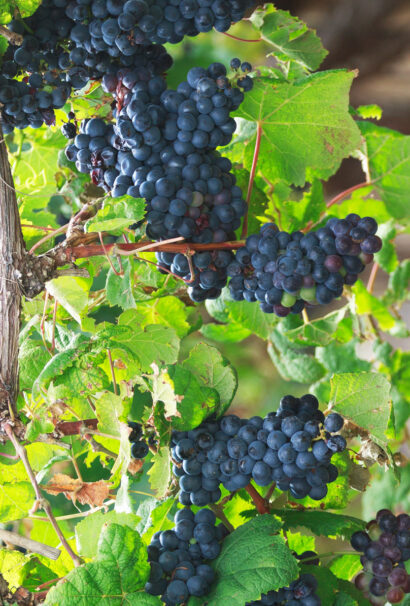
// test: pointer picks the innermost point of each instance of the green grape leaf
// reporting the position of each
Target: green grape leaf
(185, 399)
(388, 154)
(154, 517)
(384, 492)
(153, 343)
(346, 566)
(16, 500)
(327, 582)
(168, 311)
(339, 358)
(253, 560)
(294, 366)
(387, 257)
(250, 317)
(160, 472)
(258, 202)
(321, 523)
(214, 371)
(299, 543)
(306, 125)
(399, 281)
(343, 599)
(317, 332)
(292, 40)
(34, 168)
(13, 566)
(32, 358)
(369, 112)
(367, 303)
(225, 333)
(72, 294)
(25, 8)
(295, 214)
(364, 399)
(115, 578)
(116, 215)
(87, 532)
(119, 289)
(111, 410)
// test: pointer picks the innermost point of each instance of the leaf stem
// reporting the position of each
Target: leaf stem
(252, 177)
(372, 277)
(328, 555)
(219, 512)
(114, 381)
(51, 234)
(260, 503)
(346, 192)
(241, 39)
(41, 501)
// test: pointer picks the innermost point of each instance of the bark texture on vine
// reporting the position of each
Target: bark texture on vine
(12, 253)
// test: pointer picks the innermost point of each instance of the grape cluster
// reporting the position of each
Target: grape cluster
(285, 271)
(38, 77)
(163, 149)
(292, 447)
(385, 546)
(299, 593)
(106, 24)
(177, 557)
(139, 447)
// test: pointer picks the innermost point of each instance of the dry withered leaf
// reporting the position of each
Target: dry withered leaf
(86, 493)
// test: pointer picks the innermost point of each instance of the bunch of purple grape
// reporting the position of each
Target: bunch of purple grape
(55, 57)
(292, 447)
(286, 271)
(301, 592)
(124, 25)
(177, 557)
(163, 148)
(385, 546)
(139, 446)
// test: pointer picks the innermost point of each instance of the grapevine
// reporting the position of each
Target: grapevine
(166, 208)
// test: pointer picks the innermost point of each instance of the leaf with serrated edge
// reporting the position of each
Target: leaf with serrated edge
(305, 124)
(364, 399)
(388, 153)
(317, 332)
(321, 523)
(346, 566)
(87, 531)
(115, 578)
(160, 472)
(292, 40)
(215, 371)
(16, 500)
(254, 560)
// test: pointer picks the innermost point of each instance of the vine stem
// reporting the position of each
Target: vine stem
(346, 192)
(328, 555)
(241, 39)
(12, 37)
(114, 381)
(41, 502)
(338, 198)
(34, 546)
(47, 237)
(259, 502)
(219, 512)
(81, 514)
(252, 177)
(95, 250)
(74, 428)
(372, 277)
